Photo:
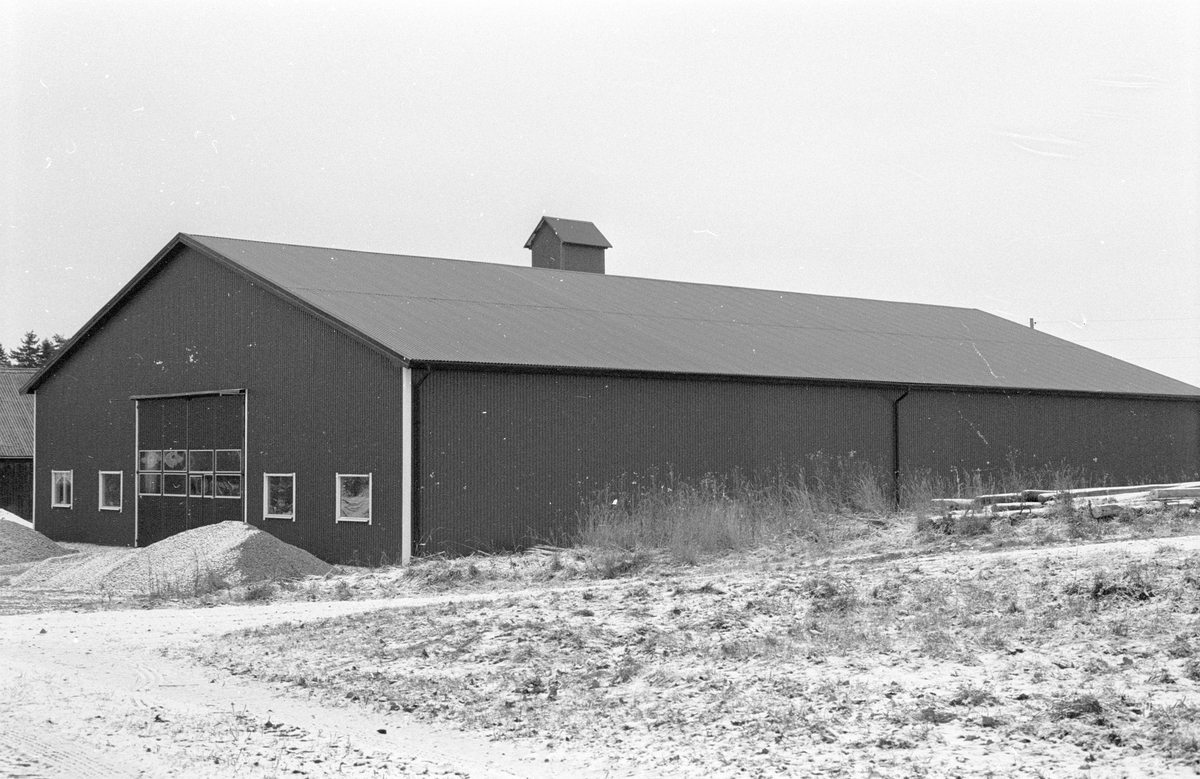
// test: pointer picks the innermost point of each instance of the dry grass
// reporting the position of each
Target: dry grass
(719, 515)
(787, 656)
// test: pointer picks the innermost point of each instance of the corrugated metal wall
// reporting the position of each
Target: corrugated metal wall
(1120, 440)
(318, 402)
(507, 458)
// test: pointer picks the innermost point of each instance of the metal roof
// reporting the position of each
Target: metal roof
(429, 310)
(16, 413)
(571, 231)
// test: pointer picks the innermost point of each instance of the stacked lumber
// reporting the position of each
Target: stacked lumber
(1100, 502)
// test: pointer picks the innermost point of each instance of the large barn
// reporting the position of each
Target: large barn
(367, 406)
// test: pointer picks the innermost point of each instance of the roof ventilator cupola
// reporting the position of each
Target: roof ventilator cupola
(567, 244)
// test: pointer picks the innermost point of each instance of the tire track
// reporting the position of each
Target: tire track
(26, 753)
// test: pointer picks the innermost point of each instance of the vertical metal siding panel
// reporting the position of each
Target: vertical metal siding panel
(507, 459)
(1114, 439)
(324, 404)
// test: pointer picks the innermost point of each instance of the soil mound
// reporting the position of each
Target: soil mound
(190, 563)
(19, 544)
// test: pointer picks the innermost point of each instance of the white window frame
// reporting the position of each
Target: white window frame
(100, 490)
(226, 470)
(337, 492)
(218, 473)
(186, 484)
(241, 486)
(54, 504)
(142, 475)
(267, 497)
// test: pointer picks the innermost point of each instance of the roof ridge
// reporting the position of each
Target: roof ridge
(746, 322)
(505, 266)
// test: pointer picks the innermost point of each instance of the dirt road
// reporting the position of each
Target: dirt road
(94, 695)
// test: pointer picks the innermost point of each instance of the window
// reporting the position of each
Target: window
(200, 460)
(279, 496)
(200, 479)
(229, 461)
(112, 490)
(150, 484)
(174, 484)
(228, 481)
(200, 485)
(61, 489)
(150, 480)
(353, 497)
(150, 460)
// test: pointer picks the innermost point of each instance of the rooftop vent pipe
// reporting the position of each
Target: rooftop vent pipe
(567, 244)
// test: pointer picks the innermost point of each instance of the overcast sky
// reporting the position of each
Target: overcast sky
(1031, 159)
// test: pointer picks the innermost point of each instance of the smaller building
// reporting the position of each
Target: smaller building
(16, 443)
(567, 244)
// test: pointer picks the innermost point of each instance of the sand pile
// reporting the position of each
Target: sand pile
(191, 563)
(19, 544)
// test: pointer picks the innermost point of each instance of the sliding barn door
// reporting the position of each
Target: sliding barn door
(191, 468)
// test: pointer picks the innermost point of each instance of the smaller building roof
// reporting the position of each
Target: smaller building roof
(16, 413)
(572, 231)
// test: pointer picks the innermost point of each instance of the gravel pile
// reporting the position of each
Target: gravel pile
(11, 517)
(82, 571)
(191, 563)
(19, 544)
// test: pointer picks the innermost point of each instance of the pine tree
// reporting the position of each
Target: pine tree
(29, 353)
(3, 357)
(49, 347)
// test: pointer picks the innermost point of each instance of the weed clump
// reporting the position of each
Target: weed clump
(831, 595)
(1135, 582)
(972, 696)
(613, 563)
(967, 526)
(1074, 707)
(259, 591)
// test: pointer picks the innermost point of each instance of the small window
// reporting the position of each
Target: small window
(150, 484)
(354, 497)
(112, 490)
(227, 485)
(200, 460)
(174, 459)
(174, 484)
(150, 460)
(200, 485)
(279, 496)
(229, 461)
(61, 489)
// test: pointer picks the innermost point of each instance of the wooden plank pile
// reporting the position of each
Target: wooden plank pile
(1100, 502)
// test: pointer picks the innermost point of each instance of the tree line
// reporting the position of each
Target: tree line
(33, 352)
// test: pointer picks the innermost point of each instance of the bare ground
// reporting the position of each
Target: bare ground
(1068, 661)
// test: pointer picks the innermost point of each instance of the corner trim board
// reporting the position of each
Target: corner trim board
(406, 466)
